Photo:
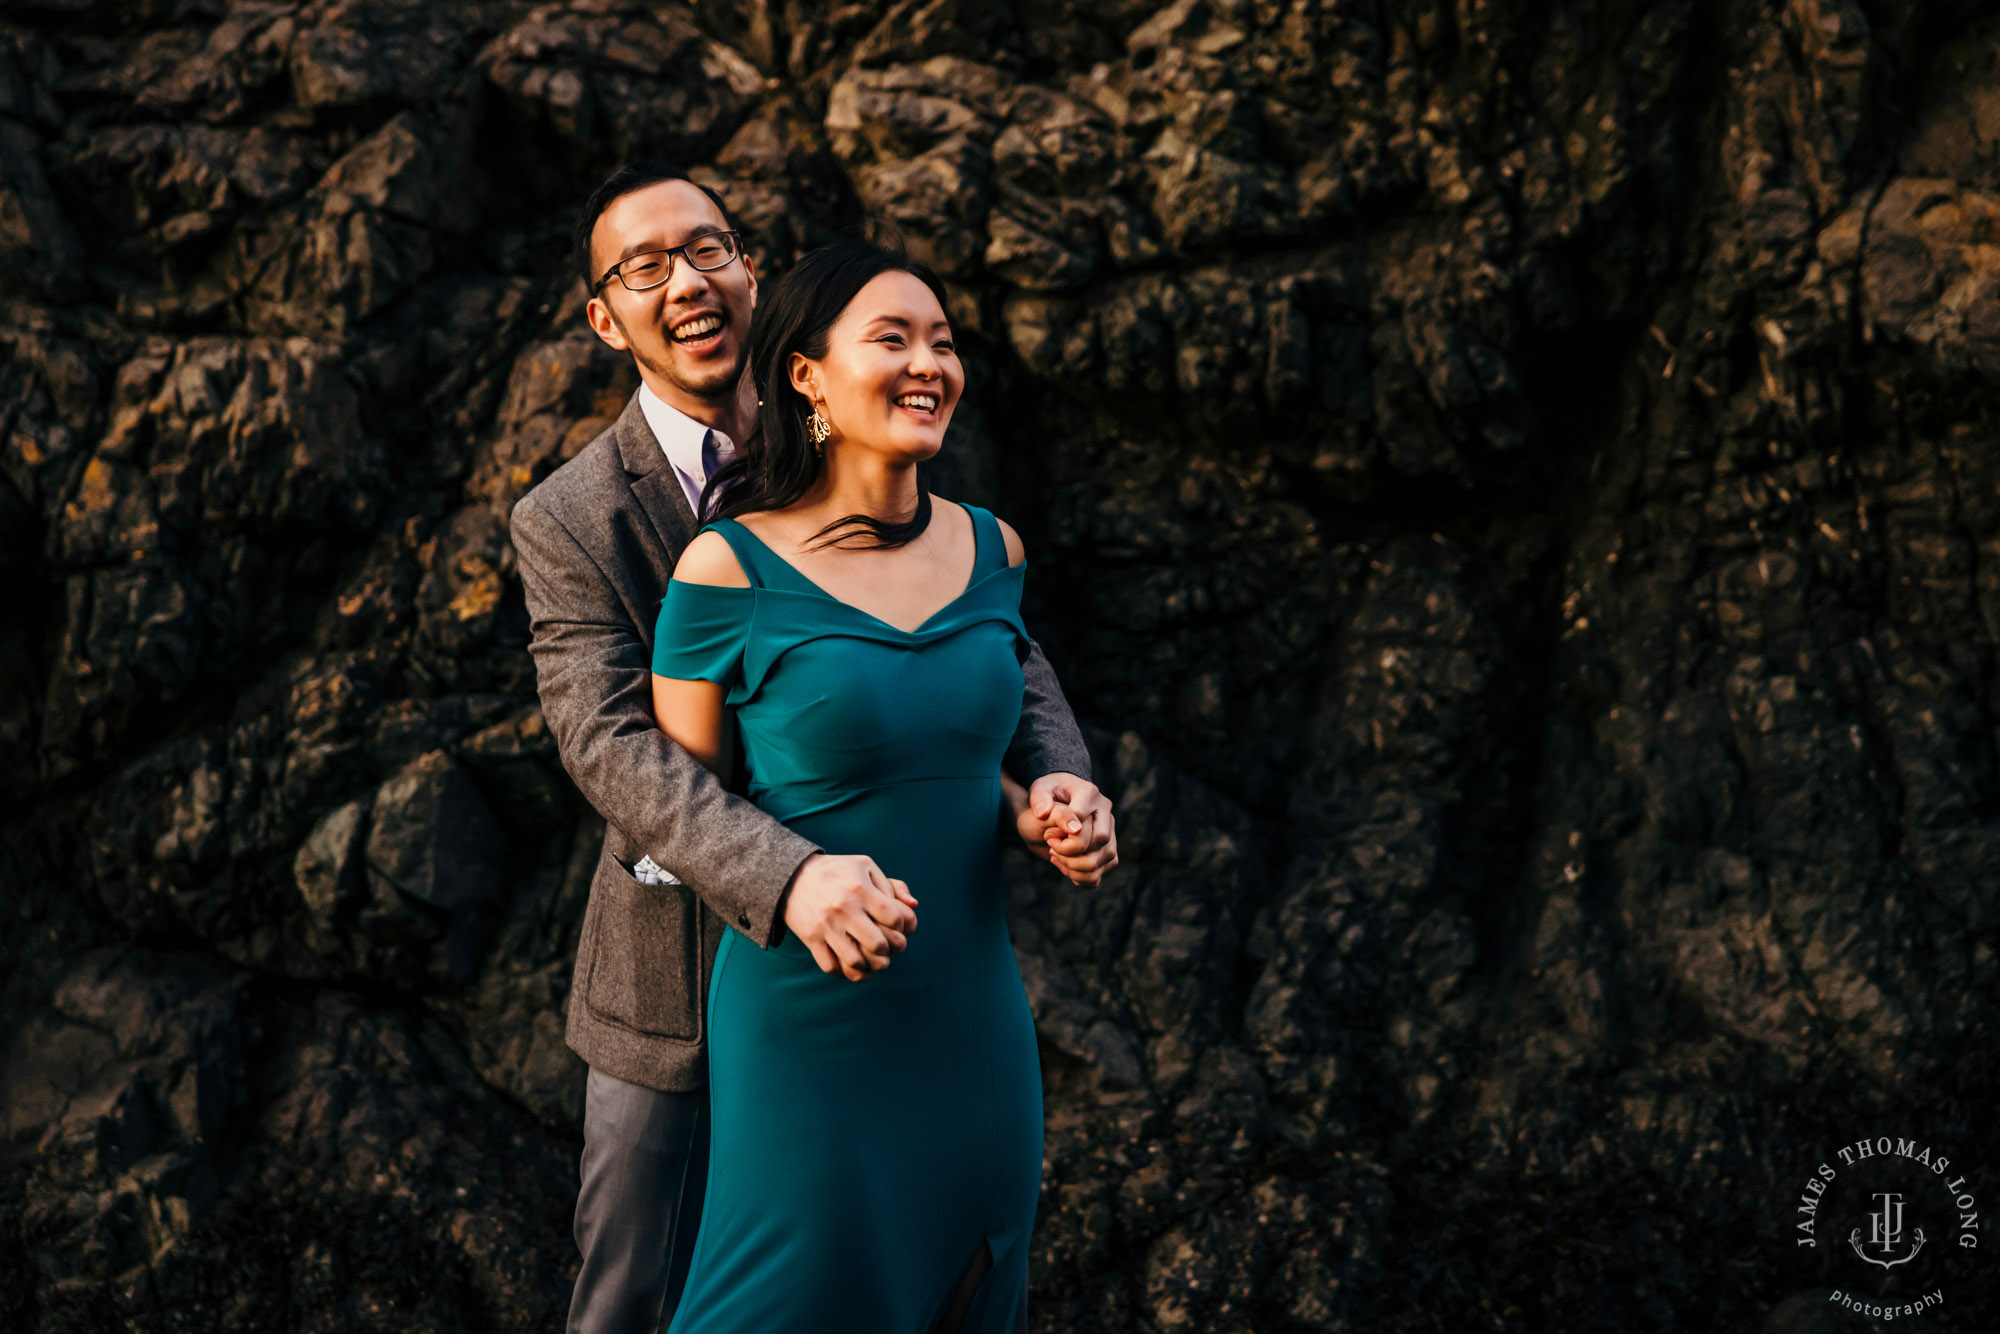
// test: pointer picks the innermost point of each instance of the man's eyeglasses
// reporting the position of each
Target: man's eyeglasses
(647, 270)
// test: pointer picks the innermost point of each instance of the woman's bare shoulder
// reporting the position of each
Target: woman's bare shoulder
(709, 559)
(1016, 553)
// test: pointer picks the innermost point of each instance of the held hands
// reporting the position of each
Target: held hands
(849, 914)
(852, 916)
(1065, 821)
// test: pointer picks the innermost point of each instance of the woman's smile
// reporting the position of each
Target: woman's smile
(922, 405)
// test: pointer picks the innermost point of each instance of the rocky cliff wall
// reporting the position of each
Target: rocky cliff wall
(1510, 488)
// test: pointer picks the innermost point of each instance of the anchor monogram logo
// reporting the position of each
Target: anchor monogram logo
(1885, 1233)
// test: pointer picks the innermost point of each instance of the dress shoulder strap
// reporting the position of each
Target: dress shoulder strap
(750, 553)
(990, 550)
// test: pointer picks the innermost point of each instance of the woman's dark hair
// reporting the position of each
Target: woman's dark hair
(778, 464)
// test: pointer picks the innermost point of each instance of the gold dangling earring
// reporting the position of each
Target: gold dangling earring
(818, 428)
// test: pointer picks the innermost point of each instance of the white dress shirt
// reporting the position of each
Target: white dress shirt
(681, 438)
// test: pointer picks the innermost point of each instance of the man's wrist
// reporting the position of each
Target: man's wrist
(777, 932)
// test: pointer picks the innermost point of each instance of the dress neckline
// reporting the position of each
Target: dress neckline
(972, 581)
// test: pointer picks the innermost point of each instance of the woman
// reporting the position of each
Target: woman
(876, 1147)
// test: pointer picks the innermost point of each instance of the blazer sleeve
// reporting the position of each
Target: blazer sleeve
(595, 681)
(1047, 741)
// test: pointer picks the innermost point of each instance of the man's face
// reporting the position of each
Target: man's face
(667, 329)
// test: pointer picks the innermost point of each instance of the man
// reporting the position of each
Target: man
(684, 858)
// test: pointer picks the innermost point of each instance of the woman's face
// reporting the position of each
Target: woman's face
(889, 379)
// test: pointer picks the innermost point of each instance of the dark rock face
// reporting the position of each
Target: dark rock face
(1509, 489)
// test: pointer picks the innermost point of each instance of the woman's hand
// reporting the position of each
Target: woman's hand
(1065, 821)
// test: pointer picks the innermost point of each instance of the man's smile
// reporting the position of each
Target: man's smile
(700, 331)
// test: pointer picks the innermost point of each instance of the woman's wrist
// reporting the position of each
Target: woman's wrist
(1016, 795)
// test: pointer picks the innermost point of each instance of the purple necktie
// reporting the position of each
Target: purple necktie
(711, 463)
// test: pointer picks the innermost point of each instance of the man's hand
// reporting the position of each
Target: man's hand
(1066, 821)
(850, 915)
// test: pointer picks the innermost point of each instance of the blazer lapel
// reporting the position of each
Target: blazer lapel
(655, 485)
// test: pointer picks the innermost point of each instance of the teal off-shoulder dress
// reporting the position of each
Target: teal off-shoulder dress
(868, 1137)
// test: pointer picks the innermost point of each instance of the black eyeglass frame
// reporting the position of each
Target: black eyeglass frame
(672, 253)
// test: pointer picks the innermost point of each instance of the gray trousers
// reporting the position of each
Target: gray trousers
(645, 1166)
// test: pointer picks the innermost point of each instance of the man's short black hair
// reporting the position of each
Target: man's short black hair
(634, 175)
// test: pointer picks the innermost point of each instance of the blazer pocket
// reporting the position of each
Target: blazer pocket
(646, 959)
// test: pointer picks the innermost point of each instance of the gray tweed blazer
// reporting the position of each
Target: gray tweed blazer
(597, 541)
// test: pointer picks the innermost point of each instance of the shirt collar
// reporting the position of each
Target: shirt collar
(681, 436)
